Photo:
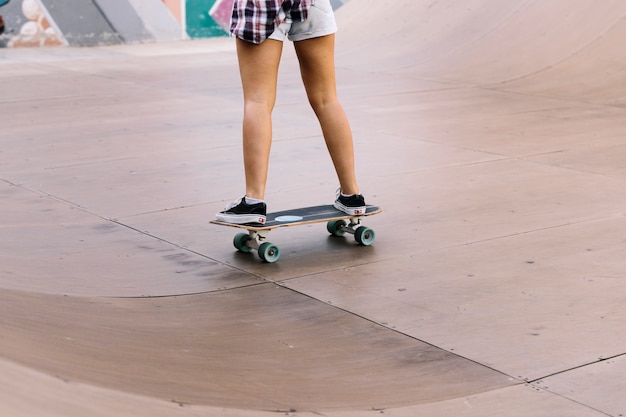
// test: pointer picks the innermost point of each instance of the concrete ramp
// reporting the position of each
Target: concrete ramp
(570, 49)
(492, 134)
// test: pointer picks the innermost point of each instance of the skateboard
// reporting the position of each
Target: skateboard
(338, 223)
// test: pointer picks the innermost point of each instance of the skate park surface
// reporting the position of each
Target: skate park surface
(492, 134)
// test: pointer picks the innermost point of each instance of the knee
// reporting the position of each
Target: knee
(321, 102)
(259, 104)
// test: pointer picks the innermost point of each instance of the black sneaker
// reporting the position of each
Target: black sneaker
(353, 205)
(240, 212)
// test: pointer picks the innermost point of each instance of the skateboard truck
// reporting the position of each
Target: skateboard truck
(256, 240)
(364, 236)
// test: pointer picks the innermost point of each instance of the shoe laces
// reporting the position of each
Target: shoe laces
(233, 204)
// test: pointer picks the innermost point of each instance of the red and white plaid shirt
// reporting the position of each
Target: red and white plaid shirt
(256, 20)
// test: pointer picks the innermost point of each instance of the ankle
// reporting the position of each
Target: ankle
(349, 191)
(252, 200)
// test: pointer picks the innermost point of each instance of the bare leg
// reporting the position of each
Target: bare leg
(258, 66)
(317, 66)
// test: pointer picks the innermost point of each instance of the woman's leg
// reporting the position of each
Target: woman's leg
(258, 66)
(317, 66)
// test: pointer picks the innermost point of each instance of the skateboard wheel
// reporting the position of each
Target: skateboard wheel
(269, 252)
(364, 236)
(334, 227)
(240, 241)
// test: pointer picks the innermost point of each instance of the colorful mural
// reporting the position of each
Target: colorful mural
(205, 18)
(221, 11)
(38, 29)
(103, 22)
(175, 7)
(26, 23)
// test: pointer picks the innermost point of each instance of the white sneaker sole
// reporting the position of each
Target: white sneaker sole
(351, 211)
(240, 218)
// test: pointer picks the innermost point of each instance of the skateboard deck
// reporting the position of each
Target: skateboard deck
(338, 223)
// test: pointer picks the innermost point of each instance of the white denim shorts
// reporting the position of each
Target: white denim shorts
(320, 22)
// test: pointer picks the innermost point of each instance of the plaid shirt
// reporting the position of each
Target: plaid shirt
(256, 20)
